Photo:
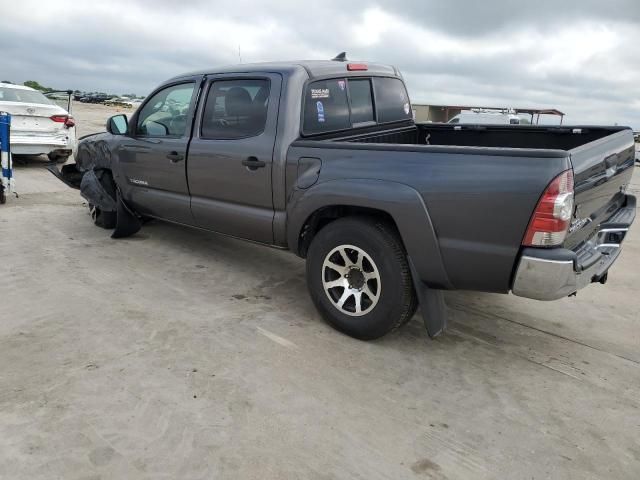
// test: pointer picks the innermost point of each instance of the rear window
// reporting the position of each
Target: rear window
(392, 101)
(340, 104)
(326, 108)
(23, 96)
(361, 101)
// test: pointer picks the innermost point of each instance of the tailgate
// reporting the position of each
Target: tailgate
(602, 171)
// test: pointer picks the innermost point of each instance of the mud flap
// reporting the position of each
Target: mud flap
(432, 306)
(127, 222)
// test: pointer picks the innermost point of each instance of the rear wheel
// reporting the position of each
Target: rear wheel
(359, 278)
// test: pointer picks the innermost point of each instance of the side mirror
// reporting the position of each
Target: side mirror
(118, 125)
(155, 129)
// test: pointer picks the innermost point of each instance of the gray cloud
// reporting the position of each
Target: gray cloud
(578, 56)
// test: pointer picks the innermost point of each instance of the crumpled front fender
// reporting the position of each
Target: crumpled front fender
(97, 188)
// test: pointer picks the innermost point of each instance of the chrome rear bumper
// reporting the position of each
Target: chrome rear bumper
(550, 274)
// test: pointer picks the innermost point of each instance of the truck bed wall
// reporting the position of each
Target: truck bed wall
(500, 136)
(512, 136)
(478, 203)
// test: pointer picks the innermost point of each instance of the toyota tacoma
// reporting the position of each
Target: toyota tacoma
(324, 158)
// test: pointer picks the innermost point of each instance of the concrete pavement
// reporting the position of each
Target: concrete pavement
(180, 354)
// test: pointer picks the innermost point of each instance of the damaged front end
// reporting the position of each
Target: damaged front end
(92, 175)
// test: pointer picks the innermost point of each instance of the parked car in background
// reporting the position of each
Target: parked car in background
(490, 118)
(38, 125)
(96, 98)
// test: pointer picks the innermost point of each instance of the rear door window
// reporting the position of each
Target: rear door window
(235, 109)
(392, 100)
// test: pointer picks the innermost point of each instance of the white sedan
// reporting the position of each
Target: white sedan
(38, 125)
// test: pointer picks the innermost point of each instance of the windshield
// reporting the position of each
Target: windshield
(22, 96)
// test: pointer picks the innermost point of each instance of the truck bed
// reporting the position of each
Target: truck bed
(602, 157)
(480, 184)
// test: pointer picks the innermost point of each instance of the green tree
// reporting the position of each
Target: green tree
(36, 86)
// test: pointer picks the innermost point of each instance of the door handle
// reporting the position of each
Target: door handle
(252, 163)
(175, 157)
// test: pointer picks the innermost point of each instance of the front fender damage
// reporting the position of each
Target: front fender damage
(92, 175)
(98, 188)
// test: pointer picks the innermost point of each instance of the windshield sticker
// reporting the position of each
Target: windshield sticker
(319, 93)
(341, 84)
(320, 109)
(406, 109)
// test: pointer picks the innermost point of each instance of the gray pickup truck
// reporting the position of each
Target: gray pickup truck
(323, 158)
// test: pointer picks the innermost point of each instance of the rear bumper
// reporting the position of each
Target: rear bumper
(550, 274)
(42, 144)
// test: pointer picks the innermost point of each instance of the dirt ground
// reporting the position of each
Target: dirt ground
(179, 354)
(93, 117)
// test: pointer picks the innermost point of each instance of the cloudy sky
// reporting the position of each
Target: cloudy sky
(582, 57)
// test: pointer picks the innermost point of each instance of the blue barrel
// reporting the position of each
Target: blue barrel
(6, 172)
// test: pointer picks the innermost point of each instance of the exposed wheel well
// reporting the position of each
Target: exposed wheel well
(323, 216)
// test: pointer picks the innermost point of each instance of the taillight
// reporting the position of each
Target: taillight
(66, 119)
(550, 220)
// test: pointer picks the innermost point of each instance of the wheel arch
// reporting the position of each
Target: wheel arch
(397, 203)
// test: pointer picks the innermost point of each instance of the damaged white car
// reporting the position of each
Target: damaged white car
(38, 125)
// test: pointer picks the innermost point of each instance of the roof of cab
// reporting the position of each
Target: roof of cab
(314, 68)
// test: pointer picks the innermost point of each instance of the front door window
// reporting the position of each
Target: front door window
(165, 114)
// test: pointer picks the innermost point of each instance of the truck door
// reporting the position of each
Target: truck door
(152, 157)
(231, 154)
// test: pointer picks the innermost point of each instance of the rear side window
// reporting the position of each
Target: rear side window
(326, 107)
(235, 109)
(392, 101)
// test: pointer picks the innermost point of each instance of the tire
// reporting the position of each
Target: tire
(102, 219)
(375, 274)
(60, 159)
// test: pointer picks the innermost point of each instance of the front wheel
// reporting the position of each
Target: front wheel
(102, 219)
(359, 278)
